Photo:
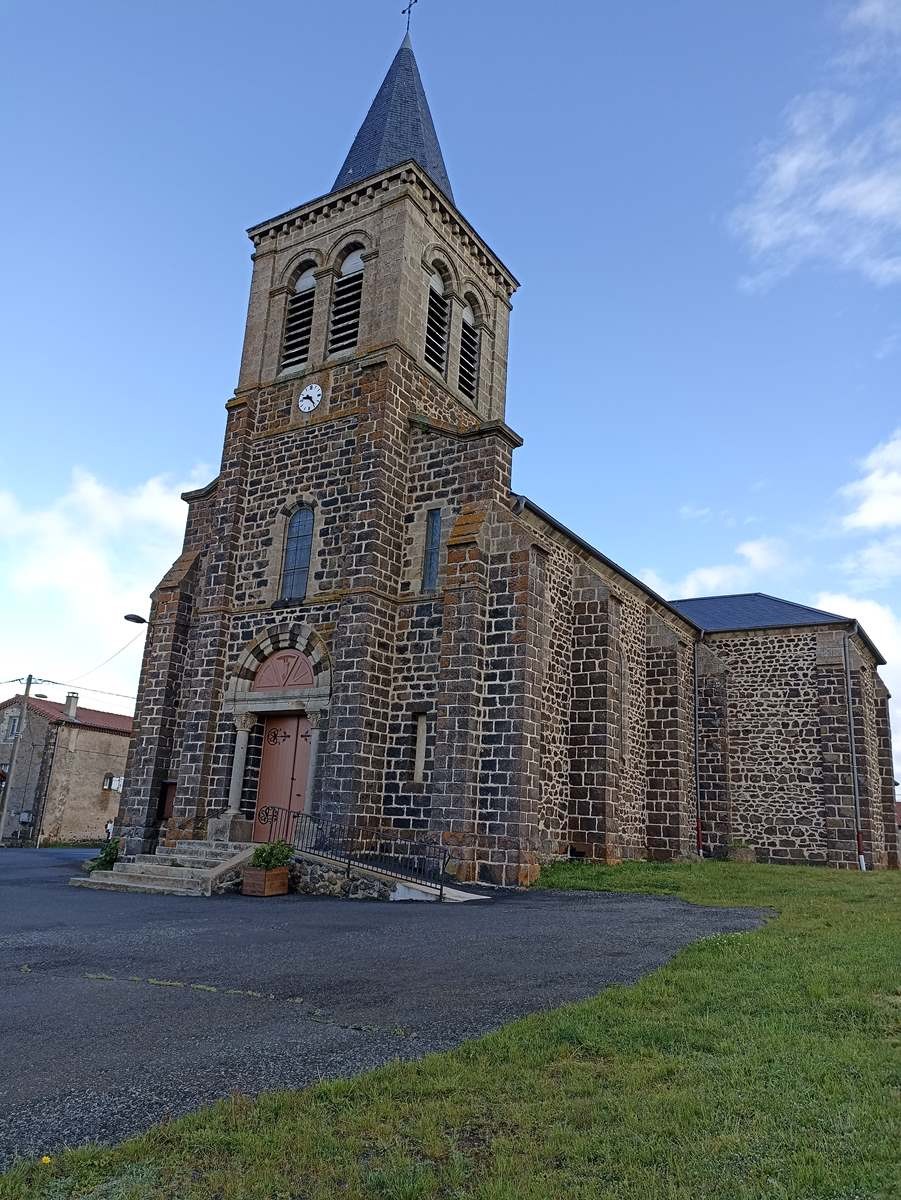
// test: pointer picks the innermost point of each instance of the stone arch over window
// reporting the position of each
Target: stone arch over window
(286, 668)
(299, 310)
(469, 363)
(347, 298)
(438, 314)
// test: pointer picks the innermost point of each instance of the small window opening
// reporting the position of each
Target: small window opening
(298, 546)
(299, 321)
(432, 550)
(419, 759)
(348, 298)
(437, 322)
(470, 338)
(12, 728)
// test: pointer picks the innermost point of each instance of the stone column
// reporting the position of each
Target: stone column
(230, 826)
(314, 718)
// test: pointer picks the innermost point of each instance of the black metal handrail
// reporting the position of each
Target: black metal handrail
(355, 845)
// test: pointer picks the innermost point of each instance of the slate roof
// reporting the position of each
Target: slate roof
(751, 610)
(398, 127)
(89, 718)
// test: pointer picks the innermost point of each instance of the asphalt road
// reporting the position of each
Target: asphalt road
(119, 1010)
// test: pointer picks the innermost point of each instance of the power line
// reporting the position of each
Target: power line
(93, 691)
(85, 674)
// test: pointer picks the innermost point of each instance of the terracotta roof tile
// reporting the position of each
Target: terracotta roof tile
(91, 718)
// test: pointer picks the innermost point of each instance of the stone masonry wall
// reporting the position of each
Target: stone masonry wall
(775, 772)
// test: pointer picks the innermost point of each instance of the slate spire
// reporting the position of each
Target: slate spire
(398, 127)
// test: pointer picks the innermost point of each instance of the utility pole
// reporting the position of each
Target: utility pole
(7, 791)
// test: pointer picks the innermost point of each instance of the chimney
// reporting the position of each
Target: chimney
(71, 706)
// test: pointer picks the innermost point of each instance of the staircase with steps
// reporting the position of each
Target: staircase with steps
(188, 869)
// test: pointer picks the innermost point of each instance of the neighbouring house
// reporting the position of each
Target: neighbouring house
(367, 623)
(69, 769)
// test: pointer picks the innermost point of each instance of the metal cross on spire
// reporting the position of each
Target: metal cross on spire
(409, 12)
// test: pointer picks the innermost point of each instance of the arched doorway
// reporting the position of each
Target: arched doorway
(284, 788)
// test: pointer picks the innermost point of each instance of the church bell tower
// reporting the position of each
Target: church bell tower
(368, 416)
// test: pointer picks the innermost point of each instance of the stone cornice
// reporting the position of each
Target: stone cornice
(410, 175)
(486, 429)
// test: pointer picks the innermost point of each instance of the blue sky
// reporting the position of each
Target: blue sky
(703, 201)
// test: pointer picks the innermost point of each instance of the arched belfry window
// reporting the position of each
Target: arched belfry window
(437, 324)
(470, 346)
(346, 304)
(298, 547)
(299, 321)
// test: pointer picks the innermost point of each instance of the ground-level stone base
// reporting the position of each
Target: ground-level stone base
(315, 879)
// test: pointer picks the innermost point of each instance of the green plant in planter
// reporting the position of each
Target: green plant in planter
(272, 856)
(106, 859)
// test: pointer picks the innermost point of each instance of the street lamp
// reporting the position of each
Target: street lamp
(135, 619)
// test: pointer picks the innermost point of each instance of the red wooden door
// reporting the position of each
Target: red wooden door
(283, 776)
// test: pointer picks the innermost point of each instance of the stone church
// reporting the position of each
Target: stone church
(366, 622)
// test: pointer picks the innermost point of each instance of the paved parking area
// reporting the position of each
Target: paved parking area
(119, 1010)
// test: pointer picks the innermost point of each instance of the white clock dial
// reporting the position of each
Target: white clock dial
(309, 398)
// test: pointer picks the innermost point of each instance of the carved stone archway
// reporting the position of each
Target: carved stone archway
(284, 670)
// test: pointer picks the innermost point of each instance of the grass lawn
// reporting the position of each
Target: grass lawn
(754, 1065)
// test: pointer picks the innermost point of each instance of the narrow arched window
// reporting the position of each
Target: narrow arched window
(470, 345)
(436, 326)
(299, 321)
(346, 304)
(298, 546)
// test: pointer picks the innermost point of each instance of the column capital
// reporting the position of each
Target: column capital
(315, 718)
(244, 722)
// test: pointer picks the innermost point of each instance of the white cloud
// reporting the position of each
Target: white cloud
(876, 564)
(693, 512)
(73, 568)
(889, 344)
(753, 559)
(877, 494)
(764, 554)
(875, 30)
(827, 190)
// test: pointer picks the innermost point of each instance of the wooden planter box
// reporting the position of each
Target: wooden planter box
(257, 882)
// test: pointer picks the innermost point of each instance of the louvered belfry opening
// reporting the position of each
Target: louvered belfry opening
(299, 321)
(346, 304)
(470, 339)
(437, 322)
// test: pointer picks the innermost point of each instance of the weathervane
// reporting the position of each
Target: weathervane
(409, 12)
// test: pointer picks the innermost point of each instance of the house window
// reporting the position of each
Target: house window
(436, 326)
(470, 339)
(432, 550)
(346, 304)
(12, 727)
(298, 546)
(299, 321)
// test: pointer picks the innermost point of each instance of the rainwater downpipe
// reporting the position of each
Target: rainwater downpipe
(852, 741)
(699, 835)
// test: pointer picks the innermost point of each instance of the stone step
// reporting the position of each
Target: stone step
(159, 871)
(111, 883)
(199, 861)
(207, 847)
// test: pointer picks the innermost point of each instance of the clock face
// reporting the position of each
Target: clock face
(309, 398)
